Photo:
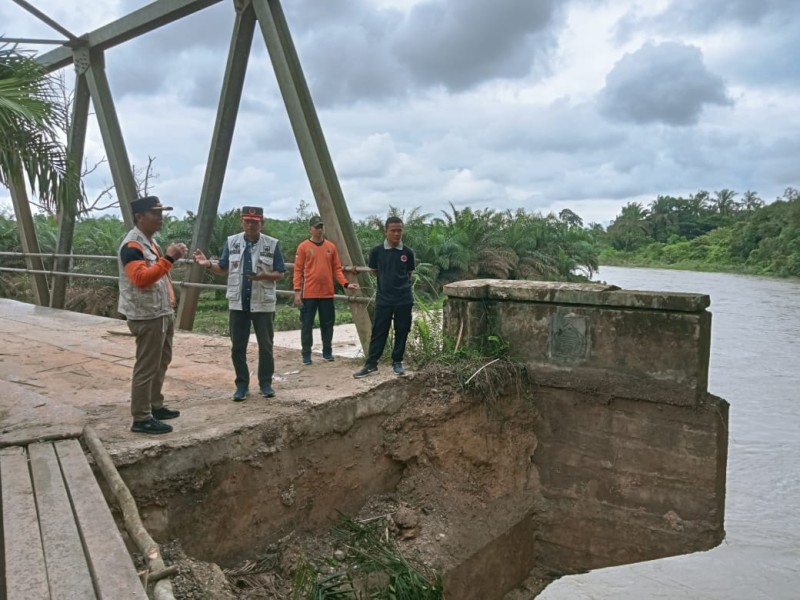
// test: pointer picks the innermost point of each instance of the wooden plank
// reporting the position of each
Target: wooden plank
(24, 567)
(67, 571)
(114, 574)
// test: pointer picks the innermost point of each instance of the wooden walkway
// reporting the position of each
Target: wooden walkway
(60, 540)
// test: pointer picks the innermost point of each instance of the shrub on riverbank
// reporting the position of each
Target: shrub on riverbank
(762, 240)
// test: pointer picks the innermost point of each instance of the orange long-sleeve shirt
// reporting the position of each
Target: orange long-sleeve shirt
(143, 275)
(315, 267)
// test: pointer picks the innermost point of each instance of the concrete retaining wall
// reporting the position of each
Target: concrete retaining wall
(644, 345)
(632, 450)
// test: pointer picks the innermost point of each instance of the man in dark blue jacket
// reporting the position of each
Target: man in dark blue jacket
(393, 263)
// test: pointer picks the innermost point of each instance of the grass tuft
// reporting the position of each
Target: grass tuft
(373, 568)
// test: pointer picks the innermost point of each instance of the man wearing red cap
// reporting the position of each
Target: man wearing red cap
(147, 300)
(253, 262)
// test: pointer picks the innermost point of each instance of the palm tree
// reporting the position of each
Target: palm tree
(751, 201)
(533, 238)
(483, 239)
(444, 255)
(697, 204)
(662, 217)
(32, 122)
(629, 230)
(633, 211)
(724, 202)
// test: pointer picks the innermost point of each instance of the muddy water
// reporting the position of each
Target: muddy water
(755, 365)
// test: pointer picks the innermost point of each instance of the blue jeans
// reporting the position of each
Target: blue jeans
(382, 318)
(240, 334)
(327, 317)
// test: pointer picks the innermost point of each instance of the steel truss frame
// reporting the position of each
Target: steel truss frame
(87, 54)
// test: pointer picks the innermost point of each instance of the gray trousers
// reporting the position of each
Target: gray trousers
(153, 355)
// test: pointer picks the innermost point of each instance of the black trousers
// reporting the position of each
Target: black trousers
(327, 317)
(382, 318)
(240, 334)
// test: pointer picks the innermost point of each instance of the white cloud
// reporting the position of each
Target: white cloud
(536, 105)
(464, 189)
(371, 158)
(666, 83)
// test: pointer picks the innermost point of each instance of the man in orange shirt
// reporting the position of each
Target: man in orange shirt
(316, 266)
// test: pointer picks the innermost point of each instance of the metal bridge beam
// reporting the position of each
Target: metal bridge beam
(27, 237)
(147, 18)
(227, 111)
(76, 142)
(110, 130)
(313, 148)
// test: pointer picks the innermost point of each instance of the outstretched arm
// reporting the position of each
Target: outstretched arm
(211, 265)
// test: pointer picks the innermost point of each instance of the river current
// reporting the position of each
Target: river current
(755, 365)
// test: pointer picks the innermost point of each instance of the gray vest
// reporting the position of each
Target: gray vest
(262, 295)
(142, 303)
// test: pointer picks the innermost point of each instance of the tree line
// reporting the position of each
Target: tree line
(703, 231)
(458, 244)
(719, 231)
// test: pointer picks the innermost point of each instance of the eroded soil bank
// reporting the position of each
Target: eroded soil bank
(497, 490)
(242, 481)
(449, 475)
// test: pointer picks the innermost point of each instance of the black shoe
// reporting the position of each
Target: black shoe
(398, 369)
(164, 413)
(327, 356)
(364, 371)
(240, 393)
(307, 360)
(267, 391)
(150, 425)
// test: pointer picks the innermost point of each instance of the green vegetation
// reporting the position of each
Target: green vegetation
(371, 566)
(212, 315)
(713, 232)
(462, 244)
(710, 233)
(32, 119)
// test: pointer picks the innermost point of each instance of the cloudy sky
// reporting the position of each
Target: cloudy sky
(501, 104)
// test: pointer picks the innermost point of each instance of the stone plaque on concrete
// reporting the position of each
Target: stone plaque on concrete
(569, 337)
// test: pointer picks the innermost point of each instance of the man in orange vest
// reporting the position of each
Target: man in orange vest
(316, 267)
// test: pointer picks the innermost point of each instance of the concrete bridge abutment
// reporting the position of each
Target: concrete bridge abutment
(631, 449)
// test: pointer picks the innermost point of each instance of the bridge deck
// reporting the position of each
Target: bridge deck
(61, 370)
(59, 537)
